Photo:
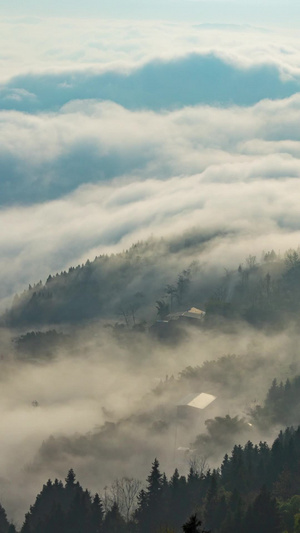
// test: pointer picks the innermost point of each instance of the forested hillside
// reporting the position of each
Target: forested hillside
(120, 286)
(156, 277)
(256, 488)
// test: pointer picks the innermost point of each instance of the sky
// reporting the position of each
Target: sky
(119, 121)
(268, 12)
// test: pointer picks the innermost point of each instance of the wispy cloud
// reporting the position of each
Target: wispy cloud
(139, 173)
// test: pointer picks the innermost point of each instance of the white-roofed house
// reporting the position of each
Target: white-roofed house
(196, 405)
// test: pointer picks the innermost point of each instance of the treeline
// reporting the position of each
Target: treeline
(266, 293)
(123, 286)
(156, 277)
(256, 489)
(282, 404)
(39, 344)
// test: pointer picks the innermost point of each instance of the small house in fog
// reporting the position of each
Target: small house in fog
(196, 404)
(192, 314)
(169, 327)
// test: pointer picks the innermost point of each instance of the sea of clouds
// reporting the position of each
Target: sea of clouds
(112, 131)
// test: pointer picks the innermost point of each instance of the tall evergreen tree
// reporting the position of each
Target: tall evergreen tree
(114, 522)
(4, 525)
(149, 513)
(97, 514)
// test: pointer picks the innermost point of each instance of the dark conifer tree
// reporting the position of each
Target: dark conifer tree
(79, 515)
(69, 507)
(114, 522)
(211, 499)
(150, 513)
(97, 514)
(4, 525)
(26, 525)
(70, 479)
(154, 482)
(55, 521)
(196, 488)
(177, 501)
(193, 525)
(232, 521)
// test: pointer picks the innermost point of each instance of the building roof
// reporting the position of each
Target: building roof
(194, 313)
(198, 401)
(191, 313)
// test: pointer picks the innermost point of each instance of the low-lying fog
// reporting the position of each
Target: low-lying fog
(99, 377)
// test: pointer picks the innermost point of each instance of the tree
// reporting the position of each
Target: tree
(97, 514)
(114, 522)
(154, 482)
(149, 513)
(263, 515)
(163, 309)
(198, 464)
(78, 518)
(70, 479)
(176, 500)
(171, 290)
(55, 521)
(4, 525)
(193, 525)
(183, 284)
(124, 492)
(251, 263)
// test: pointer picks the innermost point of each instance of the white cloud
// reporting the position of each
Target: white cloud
(58, 45)
(121, 175)
(234, 169)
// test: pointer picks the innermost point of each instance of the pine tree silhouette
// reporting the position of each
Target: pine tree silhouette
(193, 525)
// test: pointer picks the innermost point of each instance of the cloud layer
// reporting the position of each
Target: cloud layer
(134, 174)
(157, 85)
(84, 176)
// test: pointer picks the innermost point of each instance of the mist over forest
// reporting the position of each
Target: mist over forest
(150, 268)
(93, 378)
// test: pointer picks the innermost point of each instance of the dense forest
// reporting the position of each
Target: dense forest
(144, 281)
(120, 285)
(256, 488)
